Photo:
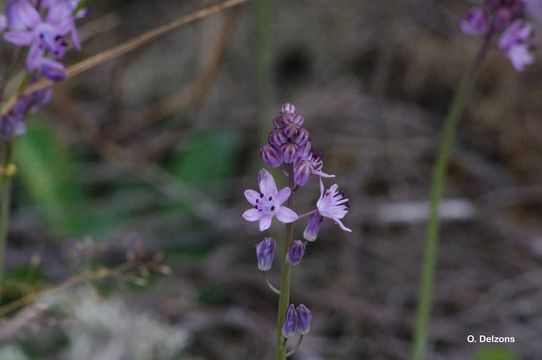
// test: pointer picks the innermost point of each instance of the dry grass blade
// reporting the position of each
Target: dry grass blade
(130, 45)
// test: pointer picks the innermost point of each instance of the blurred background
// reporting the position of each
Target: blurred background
(127, 204)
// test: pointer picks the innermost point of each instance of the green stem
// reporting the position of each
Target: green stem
(5, 183)
(425, 295)
(284, 298)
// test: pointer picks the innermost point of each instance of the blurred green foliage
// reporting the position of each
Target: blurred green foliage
(495, 353)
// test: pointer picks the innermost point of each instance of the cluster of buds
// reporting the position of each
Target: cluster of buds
(47, 28)
(290, 148)
(290, 143)
(509, 19)
(297, 321)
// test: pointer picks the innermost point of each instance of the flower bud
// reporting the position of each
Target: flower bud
(303, 136)
(265, 253)
(304, 152)
(475, 22)
(271, 156)
(313, 227)
(277, 138)
(279, 122)
(304, 317)
(288, 153)
(302, 172)
(288, 108)
(53, 70)
(291, 131)
(296, 252)
(298, 120)
(289, 328)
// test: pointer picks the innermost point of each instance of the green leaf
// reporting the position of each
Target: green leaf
(209, 157)
(495, 353)
(46, 171)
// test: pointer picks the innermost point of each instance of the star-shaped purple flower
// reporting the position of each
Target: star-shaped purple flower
(333, 205)
(268, 203)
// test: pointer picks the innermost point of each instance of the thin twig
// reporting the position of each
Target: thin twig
(128, 46)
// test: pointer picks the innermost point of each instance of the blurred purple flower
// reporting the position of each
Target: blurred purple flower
(44, 37)
(11, 125)
(268, 203)
(515, 42)
(265, 253)
(333, 205)
(508, 17)
(475, 22)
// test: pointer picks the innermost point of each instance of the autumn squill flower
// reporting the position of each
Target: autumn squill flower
(333, 205)
(268, 203)
(289, 149)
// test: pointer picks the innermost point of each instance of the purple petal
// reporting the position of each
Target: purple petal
(265, 222)
(19, 38)
(286, 215)
(251, 196)
(24, 14)
(520, 56)
(53, 70)
(35, 57)
(283, 195)
(252, 215)
(322, 174)
(341, 225)
(267, 183)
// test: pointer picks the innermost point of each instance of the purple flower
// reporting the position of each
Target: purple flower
(313, 227)
(43, 37)
(302, 172)
(307, 166)
(475, 22)
(304, 317)
(11, 125)
(289, 328)
(333, 205)
(265, 253)
(268, 203)
(515, 43)
(296, 252)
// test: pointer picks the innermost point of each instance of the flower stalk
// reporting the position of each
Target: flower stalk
(6, 173)
(284, 298)
(425, 297)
